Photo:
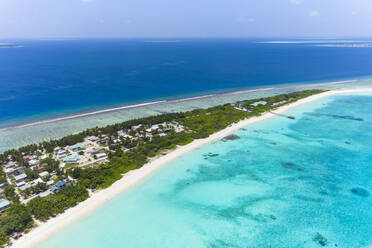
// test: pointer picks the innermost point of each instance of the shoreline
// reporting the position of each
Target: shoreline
(97, 199)
(228, 92)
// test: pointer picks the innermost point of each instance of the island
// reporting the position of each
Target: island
(9, 46)
(41, 181)
(345, 45)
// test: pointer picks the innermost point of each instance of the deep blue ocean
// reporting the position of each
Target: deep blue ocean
(46, 78)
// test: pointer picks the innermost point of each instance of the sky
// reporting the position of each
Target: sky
(184, 18)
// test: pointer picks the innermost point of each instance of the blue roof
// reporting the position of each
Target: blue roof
(60, 184)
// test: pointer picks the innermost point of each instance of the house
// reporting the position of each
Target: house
(61, 152)
(18, 171)
(44, 156)
(36, 181)
(4, 204)
(25, 186)
(71, 159)
(93, 138)
(62, 156)
(20, 184)
(56, 187)
(101, 155)
(242, 109)
(94, 151)
(33, 162)
(77, 147)
(136, 127)
(27, 158)
(10, 165)
(50, 182)
(45, 193)
(44, 174)
(278, 103)
(153, 128)
(9, 171)
(255, 104)
(20, 177)
(124, 134)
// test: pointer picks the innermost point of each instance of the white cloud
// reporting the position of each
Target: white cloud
(243, 19)
(297, 1)
(314, 13)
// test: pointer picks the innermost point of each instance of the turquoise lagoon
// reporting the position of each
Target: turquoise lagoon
(282, 183)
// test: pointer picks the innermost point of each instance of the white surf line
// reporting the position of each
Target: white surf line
(190, 98)
(84, 114)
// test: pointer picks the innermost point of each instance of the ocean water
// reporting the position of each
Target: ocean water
(52, 78)
(284, 183)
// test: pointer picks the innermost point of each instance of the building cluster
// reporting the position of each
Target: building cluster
(250, 107)
(35, 177)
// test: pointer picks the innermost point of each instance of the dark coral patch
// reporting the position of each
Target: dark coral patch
(210, 155)
(320, 239)
(231, 137)
(287, 164)
(360, 192)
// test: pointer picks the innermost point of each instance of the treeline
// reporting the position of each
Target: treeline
(54, 204)
(17, 218)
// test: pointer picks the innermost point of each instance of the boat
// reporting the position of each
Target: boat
(291, 117)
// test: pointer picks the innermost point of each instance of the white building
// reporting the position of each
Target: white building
(136, 127)
(101, 155)
(22, 176)
(33, 162)
(44, 174)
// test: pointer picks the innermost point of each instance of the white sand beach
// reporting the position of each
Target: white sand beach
(101, 197)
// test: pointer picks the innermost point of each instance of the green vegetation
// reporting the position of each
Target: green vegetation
(51, 205)
(10, 193)
(31, 174)
(16, 219)
(51, 165)
(40, 187)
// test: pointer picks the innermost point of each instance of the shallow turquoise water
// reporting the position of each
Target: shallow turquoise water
(284, 183)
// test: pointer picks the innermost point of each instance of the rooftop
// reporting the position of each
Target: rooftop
(4, 203)
(255, 104)
(71, 159)
(78, 146)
